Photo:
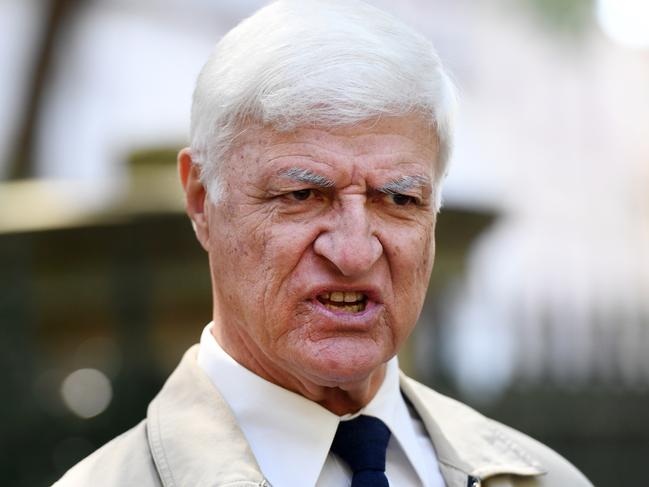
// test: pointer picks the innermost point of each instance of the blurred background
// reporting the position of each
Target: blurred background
(543, 244)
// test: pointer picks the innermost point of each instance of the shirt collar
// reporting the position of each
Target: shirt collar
(306, 428)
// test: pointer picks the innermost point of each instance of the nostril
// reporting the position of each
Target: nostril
(352, 252)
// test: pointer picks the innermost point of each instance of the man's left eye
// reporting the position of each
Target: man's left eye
(403, 199)
(302, 194)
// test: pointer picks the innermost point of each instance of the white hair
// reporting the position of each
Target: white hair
(326, 63)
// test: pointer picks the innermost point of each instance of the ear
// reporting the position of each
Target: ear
(195, 195)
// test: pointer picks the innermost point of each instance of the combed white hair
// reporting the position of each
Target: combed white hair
(326, 63)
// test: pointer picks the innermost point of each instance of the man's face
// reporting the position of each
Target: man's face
(321, 248)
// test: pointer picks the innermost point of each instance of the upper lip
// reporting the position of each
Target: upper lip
(372, 292)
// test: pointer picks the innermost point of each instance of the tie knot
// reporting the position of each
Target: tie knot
(362, 443)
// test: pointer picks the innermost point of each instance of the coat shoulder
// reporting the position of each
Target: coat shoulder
(125, 460)
(490, 448)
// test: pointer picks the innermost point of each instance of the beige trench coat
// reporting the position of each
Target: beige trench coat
(190, 439)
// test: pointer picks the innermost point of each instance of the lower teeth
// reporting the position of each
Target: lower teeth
(350, 308)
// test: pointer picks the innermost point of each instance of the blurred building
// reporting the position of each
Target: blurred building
(538, 312)
(554, 139)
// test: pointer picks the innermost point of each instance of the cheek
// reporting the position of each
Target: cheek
(416, 246)
(427, 254)
(237, 256)
(412, 259)
(291, 240)
(280, 255)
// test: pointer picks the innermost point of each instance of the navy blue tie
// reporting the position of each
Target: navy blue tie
(362, 442)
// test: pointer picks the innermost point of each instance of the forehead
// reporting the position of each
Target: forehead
(383, 142)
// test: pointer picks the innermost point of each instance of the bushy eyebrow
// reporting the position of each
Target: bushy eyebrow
(306, 176)
(404, 184)
(397, 186)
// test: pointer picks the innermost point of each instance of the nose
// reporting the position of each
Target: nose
(348, 240)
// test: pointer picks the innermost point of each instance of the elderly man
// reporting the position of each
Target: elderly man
(321, 131)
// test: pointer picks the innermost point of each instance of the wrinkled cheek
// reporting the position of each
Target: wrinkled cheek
(428, 258)
(427, 249)
(238, 273)
(418, 263)
(275, 258)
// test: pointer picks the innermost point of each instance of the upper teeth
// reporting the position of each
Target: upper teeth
(343, 296)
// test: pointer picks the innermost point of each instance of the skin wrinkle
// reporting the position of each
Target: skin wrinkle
(268, 251)
(321, 143)
(329, 154)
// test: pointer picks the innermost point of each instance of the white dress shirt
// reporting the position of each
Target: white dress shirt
(290, 435)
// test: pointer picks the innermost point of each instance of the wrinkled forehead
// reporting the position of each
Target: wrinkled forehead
(379, 136)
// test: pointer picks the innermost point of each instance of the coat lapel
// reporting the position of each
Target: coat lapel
(193, 435)
(466, 443)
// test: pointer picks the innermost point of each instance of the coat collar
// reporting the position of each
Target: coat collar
(467, 443)
(195, 440)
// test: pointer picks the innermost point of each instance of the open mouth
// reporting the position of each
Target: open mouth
(346, 301)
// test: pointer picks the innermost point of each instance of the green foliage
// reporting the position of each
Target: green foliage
(570, 16)
(161, 156)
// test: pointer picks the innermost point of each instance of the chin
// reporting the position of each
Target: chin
(342, 361)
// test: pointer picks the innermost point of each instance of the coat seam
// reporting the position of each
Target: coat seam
(158, 452)
(242, 483)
